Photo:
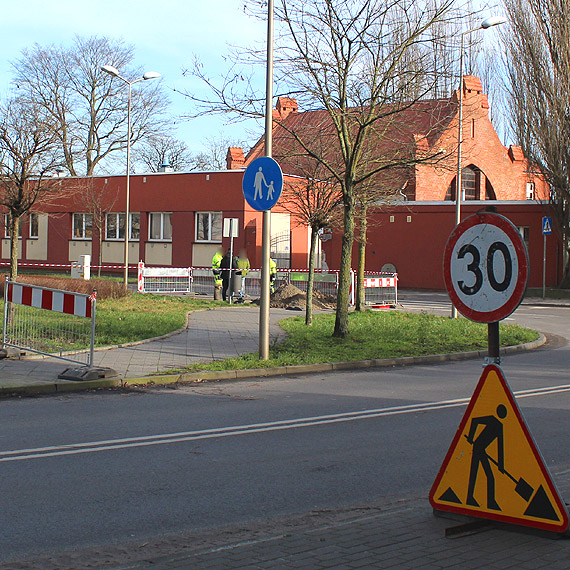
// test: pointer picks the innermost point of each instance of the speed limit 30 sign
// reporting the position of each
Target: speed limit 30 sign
(485, 267)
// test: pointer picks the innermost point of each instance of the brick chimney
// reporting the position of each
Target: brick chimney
(516, 153)
(285, 106)
(235, 158)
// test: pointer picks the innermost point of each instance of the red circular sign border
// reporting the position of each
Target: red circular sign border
(522, 257)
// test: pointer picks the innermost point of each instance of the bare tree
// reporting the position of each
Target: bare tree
(538, 63)
(98, 204)
(89, 107)
(379, 193)
(213, 157)
(28, 156)
(364, 63)
(159, 150)
(313, 201)
(354, 60)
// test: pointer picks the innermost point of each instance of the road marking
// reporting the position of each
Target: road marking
(162, 439)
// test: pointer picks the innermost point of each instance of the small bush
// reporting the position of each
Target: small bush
(105, 289)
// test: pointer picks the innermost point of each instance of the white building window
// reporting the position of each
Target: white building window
(530, 190)
(525, 233)
(7, 225)
(209, 226)
(160, 226)
(34, 230)
(115, 226)
(82, 226)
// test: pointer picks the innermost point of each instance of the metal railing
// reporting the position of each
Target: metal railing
(69, 328)
(381, 289)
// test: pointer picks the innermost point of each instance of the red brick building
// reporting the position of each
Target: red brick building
(176, 218)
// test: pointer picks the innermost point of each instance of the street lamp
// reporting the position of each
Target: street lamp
(485, 24)
(148, 75)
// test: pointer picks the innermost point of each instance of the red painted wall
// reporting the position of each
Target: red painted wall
(416, 247)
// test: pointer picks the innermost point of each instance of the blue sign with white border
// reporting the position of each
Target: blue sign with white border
(262, 183)
(546, 226)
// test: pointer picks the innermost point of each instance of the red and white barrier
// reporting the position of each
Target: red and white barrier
(50, 299)
(57, 335)
(380, 282)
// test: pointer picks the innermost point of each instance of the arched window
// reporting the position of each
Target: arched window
(471, 185)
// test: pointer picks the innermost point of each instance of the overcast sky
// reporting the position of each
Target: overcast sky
(166, 34)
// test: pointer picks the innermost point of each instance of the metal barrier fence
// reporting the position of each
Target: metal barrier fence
(49, 321)
(325, 283)
(164, 279)
(381, 289)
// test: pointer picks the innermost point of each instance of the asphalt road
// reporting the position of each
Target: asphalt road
(83, 470)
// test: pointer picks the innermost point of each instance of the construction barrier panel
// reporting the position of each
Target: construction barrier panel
(381, 289)
(64, 335)
(323, 282)
(164, 279)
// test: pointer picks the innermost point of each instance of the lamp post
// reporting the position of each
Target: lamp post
(485, 24)
(148, 75)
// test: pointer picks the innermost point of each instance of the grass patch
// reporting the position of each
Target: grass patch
(373, 335)
(121, 320)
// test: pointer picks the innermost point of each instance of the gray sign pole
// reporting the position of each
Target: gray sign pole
(544, 266)
(266, 239)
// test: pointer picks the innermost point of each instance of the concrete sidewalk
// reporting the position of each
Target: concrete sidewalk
(404, 535)
(401, 535)
(210, 335)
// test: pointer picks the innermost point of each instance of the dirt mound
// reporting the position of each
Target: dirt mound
(290, 297)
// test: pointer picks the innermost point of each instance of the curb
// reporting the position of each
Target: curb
(219, 375)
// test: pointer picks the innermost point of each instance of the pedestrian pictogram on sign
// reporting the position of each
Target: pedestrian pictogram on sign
(262, 183)
(493, 469)
(546, 226)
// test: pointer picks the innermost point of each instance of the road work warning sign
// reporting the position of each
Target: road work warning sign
(493, 468)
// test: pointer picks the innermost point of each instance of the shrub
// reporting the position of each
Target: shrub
(105, 289)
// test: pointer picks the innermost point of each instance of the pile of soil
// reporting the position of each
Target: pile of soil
(290, 297)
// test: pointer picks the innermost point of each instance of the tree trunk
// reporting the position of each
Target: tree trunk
(342, 299)
(14, 232)
(565, 282)
(100, 253)
(311, 280)
(363, 224)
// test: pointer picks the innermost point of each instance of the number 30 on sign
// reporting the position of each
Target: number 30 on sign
(485, 267)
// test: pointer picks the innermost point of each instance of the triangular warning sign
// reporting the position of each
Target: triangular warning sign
(546, 228)
(493, 469)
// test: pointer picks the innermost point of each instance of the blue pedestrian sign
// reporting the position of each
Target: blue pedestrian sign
(262, 183)
(546, 226)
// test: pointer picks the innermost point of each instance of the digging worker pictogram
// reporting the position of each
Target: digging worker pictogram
(492, 431)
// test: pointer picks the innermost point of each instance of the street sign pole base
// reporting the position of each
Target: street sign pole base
(87, 373)
(11, 353)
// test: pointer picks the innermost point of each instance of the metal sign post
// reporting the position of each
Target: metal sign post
(546, 230)
(262, 185)
(231, 231)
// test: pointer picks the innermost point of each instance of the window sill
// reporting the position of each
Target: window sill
(120, 240)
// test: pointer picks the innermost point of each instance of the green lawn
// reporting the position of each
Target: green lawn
(373, 334)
